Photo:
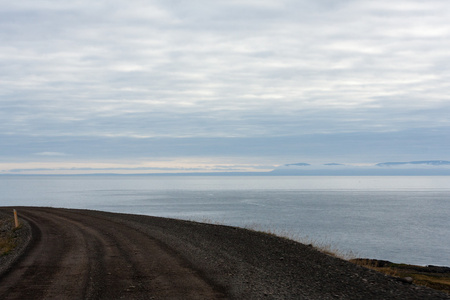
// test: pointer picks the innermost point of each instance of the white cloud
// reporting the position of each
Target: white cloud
(51, 154)
(222, 68)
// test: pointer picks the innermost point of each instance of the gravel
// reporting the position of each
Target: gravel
(245, 264)
(254, 265)
(22, 238)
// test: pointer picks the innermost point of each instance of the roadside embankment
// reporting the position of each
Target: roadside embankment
(13, 241)
(84, 254)
(436, 277)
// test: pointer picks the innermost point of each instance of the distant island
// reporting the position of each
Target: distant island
(411, 168)
(426, 162)
(298, 164)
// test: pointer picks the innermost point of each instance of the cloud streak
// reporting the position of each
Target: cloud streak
(223, 69)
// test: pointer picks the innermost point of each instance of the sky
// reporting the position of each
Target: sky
(185, 86)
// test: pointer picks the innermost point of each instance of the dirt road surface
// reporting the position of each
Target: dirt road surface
(82, 254)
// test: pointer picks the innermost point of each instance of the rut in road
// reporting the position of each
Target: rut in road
(85, 254)
(76, 256)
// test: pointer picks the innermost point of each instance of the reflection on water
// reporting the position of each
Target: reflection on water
(403, 219)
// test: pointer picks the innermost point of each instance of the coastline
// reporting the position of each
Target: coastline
(279, 204)
(252, 264)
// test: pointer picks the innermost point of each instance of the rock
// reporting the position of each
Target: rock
(408, 280)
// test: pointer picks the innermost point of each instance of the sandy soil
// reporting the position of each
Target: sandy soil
(82, 254)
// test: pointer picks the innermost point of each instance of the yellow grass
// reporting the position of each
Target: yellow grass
(438, 281)
(322, 246)
(7, 241)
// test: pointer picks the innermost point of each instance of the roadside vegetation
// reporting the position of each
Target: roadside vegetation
(434, 277)
(322, 246)
(7, 236)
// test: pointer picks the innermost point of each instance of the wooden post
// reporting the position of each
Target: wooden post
(16, 220)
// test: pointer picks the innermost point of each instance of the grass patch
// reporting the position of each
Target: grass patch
(7, 236)
(6, 245)
(322, 246)
(434, 277)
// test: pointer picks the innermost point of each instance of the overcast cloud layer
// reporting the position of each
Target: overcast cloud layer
(222, 83)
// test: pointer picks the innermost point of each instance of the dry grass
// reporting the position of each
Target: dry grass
(6, 245)
(437, 278)
(7, 240)
(322, 246)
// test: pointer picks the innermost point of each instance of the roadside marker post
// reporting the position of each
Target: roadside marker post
(16, 220)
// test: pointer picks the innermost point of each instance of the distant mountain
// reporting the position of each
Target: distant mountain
(413, 168)
(425, 162)
(298, 164)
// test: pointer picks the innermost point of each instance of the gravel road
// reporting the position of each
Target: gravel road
(83, 254)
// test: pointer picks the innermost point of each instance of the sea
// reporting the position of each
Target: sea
(400, 219)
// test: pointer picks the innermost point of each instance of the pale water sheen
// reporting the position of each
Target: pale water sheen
(402, 219)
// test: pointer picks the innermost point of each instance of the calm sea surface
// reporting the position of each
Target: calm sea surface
(401, 219)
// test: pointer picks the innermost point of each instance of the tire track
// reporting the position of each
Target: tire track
(77, 256)
(82, 254)
(35, 275)
(151, 270)
(81, 267)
